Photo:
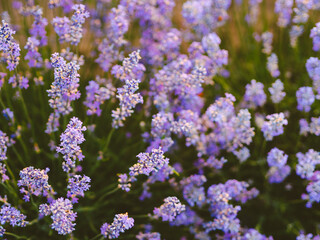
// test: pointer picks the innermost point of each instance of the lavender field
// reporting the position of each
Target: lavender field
(160, 119)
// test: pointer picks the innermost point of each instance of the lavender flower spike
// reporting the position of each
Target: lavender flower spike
(170, 209)
(61, 214)
(273, 127)
(70, 141)
(121, 222)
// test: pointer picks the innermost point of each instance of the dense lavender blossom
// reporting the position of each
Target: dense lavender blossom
(307, 163)
(170, 209)
(309, 236)
(274, 126)
(314, 126)
(34, 182)
(9, 46)
(70, 141)
(19, 81)
(222, 109)
(148, 163)
(77, 19)
(254, 94)
(272, 65)
(11, 215)
(243, 154)
(126, 95)
(302, 11)
(63, 90)
(121, 222)
(313, 69)
(267, 38)
(77, 186)
(193, 191)
(34, 57)
(313, 190)
(305, 98)
(252, 16)
(315, 35)
(96, 96)
(278, 174)
(276, 91)
(5, 142)
(61, 214)
(71, 30)
(284, 9)
(277, 158)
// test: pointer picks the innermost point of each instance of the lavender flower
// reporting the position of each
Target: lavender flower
(254, 94)
(9, 46)
(149, 163)
(61, 214)
(284, 9)
(243, 154)
(222, 110)
(77, 186)
(33, 56)
(121, 222)
(252, 16)
(3, 171)
(19, 81)
(313, 69)
(35, 182)
(96, 96)
(307, 237)
(295, 32)
(170, 209)
(278, 174)
(63, 90)
(307, 163)
(304, 127)
(193, 191)
(77, 19)
(305, 98)
(127, 96)
(276, 91)
(12, 216)
(272, 65)
(149, 236)
(5, 142)
(315, 35)
(124, 182)
(314, 126)
(267, 38)
(313, 190)
(70, 141)
(273, 127)
(277, 158)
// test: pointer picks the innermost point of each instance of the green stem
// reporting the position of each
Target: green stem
(14, 235)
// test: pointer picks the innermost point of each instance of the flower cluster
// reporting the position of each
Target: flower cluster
(274, 126)
(126, 95)
(70, 141)
(61, 214)
(77, 186)
(63, 90)
(170, 209)
(35, 182)
(10, 48)
(278, 171)
(121, 222)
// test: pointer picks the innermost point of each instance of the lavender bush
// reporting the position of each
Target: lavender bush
(160, 119)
